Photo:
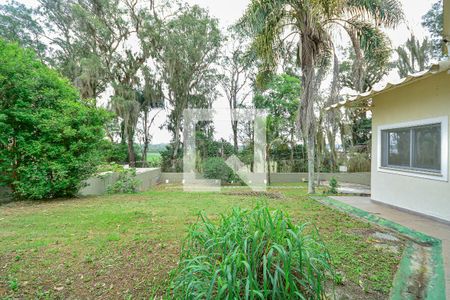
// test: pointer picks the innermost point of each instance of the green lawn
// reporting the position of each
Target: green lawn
(123, 246)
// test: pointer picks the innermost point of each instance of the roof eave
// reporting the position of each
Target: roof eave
(390, 86)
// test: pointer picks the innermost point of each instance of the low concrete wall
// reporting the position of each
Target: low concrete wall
(356, 178)
(98, 185)
(171, 177)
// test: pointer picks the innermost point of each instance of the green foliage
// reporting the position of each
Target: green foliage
(359, 162)
(191, 42)
(281, 98)
(126, 182)
(111, 167)
(333, 183)
(154, 160)
(17, 24)
(251, 254)
(361, 129)
(216, 168)
(13, 284)
(413, 56)
(118, 152)
(167, 158)
(49, 138)
(433, 20)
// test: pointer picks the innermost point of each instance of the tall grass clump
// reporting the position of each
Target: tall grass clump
(251, 255)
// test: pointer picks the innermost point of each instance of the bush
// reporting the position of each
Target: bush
(49, 138)
(216, 168)
(154, 160)
(126, 183)
(359, 162)
(251, 254)
(333, 186)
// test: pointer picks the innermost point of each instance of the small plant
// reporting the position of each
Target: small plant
(333, 186)
(253, 255)
(126, 183)
(13, 284)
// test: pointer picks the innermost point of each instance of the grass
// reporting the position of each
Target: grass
(123, 246)
(256, 253)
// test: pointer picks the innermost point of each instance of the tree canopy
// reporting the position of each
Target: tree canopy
(49, 137)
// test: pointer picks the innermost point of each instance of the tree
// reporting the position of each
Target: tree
(97, 44)
(433, 20)
(49, 137)
(97, 48)
(149, 98)
(190, 48)
(281, 99)
(236, 74)
(413, 56)
(313, 23)
(18, 25)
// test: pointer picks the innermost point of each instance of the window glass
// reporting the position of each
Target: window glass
(415, 148)
(427, 147)
(399, 147)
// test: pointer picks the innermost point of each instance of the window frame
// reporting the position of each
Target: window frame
(441, 175)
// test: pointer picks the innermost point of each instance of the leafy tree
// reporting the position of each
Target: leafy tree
(50, 139)
(18, 25)
(237, 67)
(313, 23)
(281, 99)
(413, 57)
(93, 43)
(190, 48)
(433, 20)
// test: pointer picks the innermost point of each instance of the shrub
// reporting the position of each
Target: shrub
(359, 162)
(154, 160)
(216, 168)
(333, 186)
(49, 138)
(251, 254)
(126, 183)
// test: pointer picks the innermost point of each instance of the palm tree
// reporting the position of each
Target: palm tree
(314, 24)
(414, 56)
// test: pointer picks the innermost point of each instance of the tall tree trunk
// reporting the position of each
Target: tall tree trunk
(306, 115)
(131, 154)
(146, 140)
(332, 142)
(176, 145)
(311, 159)
(291, 158)
(234, 125)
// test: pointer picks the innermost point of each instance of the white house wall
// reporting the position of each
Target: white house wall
(426, 99)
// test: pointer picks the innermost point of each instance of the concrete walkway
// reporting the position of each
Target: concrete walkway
(418, 223)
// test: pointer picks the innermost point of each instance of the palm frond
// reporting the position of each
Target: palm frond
(386, 12)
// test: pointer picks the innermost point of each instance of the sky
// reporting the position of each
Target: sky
(229, 11)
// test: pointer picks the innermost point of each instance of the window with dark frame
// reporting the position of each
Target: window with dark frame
(416, 148)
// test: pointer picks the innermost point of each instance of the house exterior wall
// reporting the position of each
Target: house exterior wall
(425, 99)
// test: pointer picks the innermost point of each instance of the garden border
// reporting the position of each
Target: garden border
(436, 285)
